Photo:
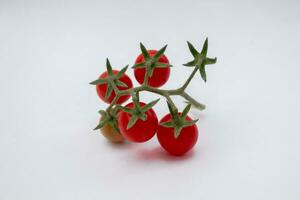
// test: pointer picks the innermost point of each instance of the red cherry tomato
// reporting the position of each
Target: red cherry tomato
(141, 131)
(160, 75)
(177, 146)
(101, 89)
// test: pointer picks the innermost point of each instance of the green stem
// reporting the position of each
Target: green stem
(114, 101)
(189, 79)
(115, 88)
(165, 93)
(145, 83)
(172, 104)
(195, 103)
(138, 96)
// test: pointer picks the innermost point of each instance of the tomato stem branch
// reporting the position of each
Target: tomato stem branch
(189, 79)
(114, 101)
(195, 103)
(165, 93)
(147, 74)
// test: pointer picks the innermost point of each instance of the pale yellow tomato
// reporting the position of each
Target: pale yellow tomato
(111, 134)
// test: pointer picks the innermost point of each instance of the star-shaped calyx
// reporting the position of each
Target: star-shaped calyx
(178, 121)
(138, 111)
(108, 118)
(151, 62)
(200, 59)
(111, 79)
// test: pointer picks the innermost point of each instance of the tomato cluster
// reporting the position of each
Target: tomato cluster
(145, 124)
(137, 121)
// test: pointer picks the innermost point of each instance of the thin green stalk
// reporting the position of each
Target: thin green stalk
(115, 88)
(165, 93)
(189, 79)
(147, 74)
(114, 101)
(195, 103)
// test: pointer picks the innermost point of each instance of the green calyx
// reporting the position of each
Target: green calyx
(151, 62)
(137, 112)
(108, 118)
(200, 59)
(112, 80)
(178, 122)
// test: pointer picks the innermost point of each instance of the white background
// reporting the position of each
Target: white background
(249, 134)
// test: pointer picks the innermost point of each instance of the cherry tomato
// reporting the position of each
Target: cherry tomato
(111, 134)
(101, 89)
(160, 75)
(141, 131)
(177, 146)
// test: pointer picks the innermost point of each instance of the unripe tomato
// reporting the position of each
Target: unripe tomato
(101, 89)
(111, 134)
(160, 75)
(177, 146)
(141, 131)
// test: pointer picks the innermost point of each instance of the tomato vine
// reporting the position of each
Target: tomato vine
(150, 61)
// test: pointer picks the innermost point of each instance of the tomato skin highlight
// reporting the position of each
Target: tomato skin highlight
(101, 89)
(177, 146)
(141, 131)
(160, 75)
